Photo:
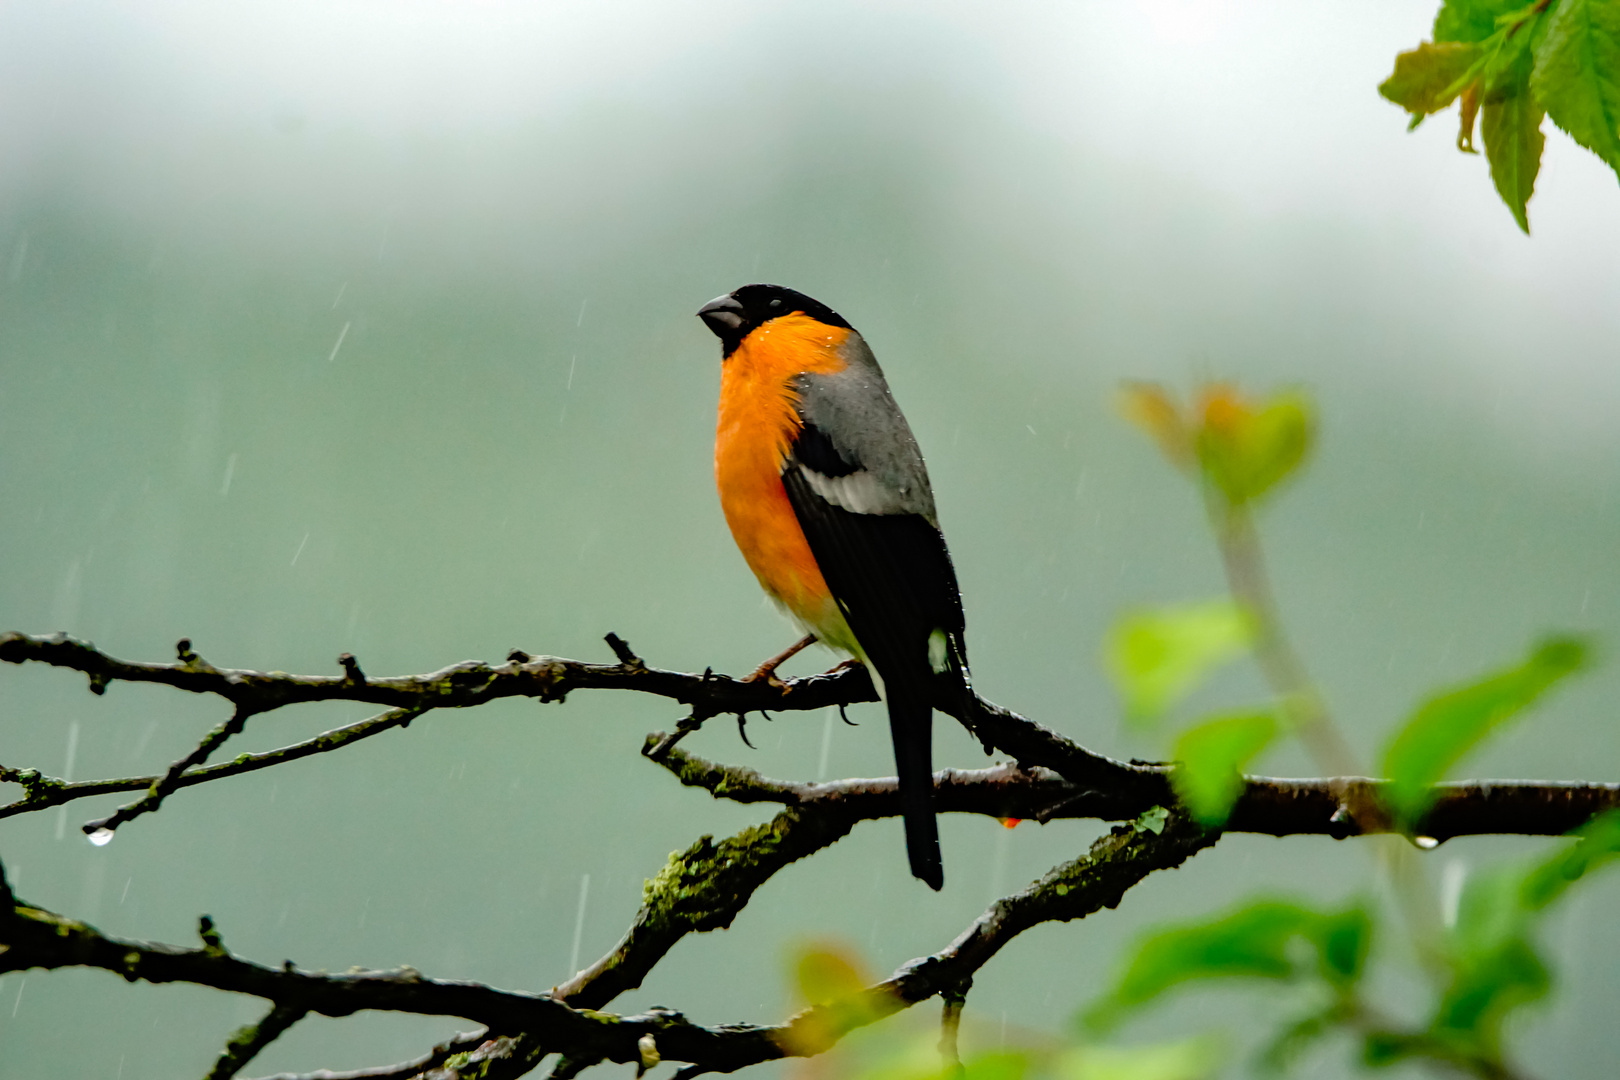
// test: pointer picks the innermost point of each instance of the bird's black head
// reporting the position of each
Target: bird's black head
(739, 313)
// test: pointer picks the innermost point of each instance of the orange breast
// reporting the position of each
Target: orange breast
(757, 425)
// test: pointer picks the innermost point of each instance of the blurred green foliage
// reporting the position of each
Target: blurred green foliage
(1213, 755)
(1448, 725)
(1485, 964)
(1157, 657)
(1256, 941)
(1242, 447)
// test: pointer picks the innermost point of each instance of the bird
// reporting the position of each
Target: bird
(826, 494)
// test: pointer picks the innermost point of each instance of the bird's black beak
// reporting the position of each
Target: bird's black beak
(724, 316)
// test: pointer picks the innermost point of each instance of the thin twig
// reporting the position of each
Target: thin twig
(45, 792)
(950, 1024)
(166, 784)
(1244, 560)
(469, 1045)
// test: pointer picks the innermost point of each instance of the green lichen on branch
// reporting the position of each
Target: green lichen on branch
(37, 787)
(494, 1059)
(246, 1042)
(702, 889)
(695, 891)
(735, 782)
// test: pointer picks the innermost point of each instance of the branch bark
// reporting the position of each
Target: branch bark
(539, 1024)
(704, 887)
(1072, 781)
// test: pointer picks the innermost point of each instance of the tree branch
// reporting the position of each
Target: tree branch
(245, 1045)
(170, 780)
(464, 1054)
(543, 1023)
(550, 678)
(1269, 805)
(706, 886)
(41, 791)
(463, 685)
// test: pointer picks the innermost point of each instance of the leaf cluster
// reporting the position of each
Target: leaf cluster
(1510, 65)
(1490, 964)
(1485, 964)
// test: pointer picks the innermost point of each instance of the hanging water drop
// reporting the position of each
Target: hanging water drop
(1427, 843)
(101, 837)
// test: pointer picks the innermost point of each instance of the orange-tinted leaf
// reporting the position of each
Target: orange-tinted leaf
(824, 972)
(1425, 78)
(1150, 408)
(1468, 109)
(831, 979)
(1247, 448)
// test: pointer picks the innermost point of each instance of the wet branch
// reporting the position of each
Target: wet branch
(164, 785)
(472, 1049)
(245, 1045)
(41, 792)
(522, 1027)
(704, 887)
(1055, 777)
(1269, 805)
(463, 685)
(545, 678)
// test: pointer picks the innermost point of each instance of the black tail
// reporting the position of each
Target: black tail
(911, 724)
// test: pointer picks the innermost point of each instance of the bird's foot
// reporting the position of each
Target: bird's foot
(766, 672)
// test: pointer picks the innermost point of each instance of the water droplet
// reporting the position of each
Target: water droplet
(101, 837)
(1427, 843)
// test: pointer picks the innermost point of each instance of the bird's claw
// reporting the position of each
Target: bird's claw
(766, 673)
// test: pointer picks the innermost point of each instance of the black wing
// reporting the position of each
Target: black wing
(893, 579)
(890, 572)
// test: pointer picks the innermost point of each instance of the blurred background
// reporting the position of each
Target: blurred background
(369, 327)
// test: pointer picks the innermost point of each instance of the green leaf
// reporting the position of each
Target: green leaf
(1447, 726)
(1485, 987)
(1246, 452)
(1193, 1059)
(1343, 940)
(1507, 54)
(1494, 964)
(1157, 657)
(1289, 1044)
(1513, 144)
(1489, 912)
(996, 1065)
(919, 1059)
(1471, 20)
(1212, 755)
(1577, 74)
(1252, 942)
(1598, 845)
(1425, 78)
